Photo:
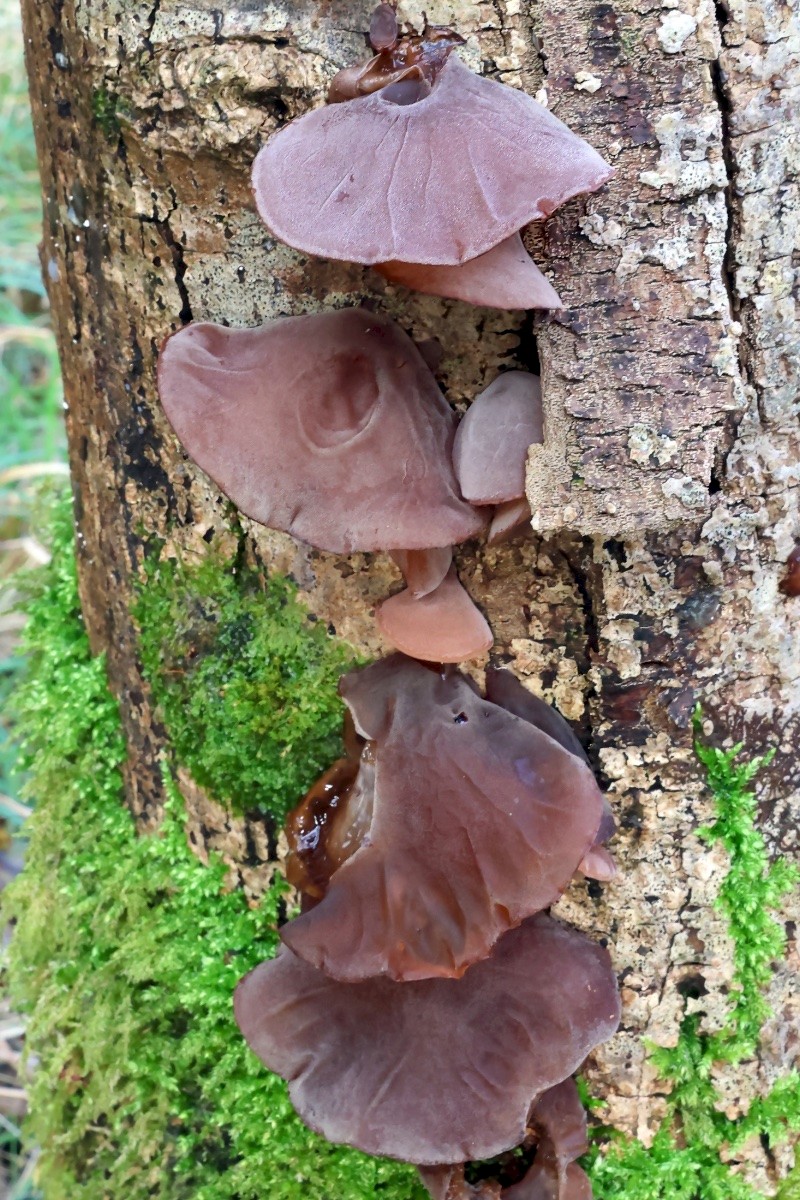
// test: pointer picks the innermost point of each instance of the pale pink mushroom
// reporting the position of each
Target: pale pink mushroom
(441, 1070)
(330, 427)
(508, 520)
(440, 181)
(468, 819)
(492, 440)
(444, 626)
(504, 277)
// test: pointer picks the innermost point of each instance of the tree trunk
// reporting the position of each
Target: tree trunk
(665, 496)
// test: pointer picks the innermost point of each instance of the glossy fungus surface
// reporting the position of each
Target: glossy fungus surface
(440, 181)
(504, 277)
(478, 820)
(503, 688)
(443, 625)
(436, 1071)
(330, 427)
(492, 441)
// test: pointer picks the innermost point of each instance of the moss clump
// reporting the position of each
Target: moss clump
(125, 954)
(245, 680)
(689, 1158)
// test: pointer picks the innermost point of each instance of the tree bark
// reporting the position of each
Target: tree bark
(665, 496)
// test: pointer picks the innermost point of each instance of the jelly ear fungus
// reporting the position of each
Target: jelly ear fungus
(426, 171)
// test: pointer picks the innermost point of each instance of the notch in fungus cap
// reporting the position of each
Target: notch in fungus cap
(438, 1071)
(438, 181)
(469, 820)
(441, 626)
(556, 1133)
(424, 570)
(329, 427)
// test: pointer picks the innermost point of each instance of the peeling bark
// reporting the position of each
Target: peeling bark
(665, 495)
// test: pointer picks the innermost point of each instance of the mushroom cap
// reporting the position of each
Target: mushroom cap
(509, 520)
(437, 1071)
(442, 626)
(492, 440)
(330, 427)
(439, 182)
(478, 821)
(504, 277)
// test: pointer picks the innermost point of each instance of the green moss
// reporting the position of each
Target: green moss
(105, 108)
(686, 1162)
(245, 680)
(125, 955)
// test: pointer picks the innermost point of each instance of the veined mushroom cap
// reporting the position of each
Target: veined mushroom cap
(439, 181)
(478, 820)
(492, 441)
(438, 1071)
(330, 427)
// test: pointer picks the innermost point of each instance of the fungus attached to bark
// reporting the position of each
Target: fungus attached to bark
(492, 441)
(556, 1134)
(440, 1070)
(441, 626)
(424, 570)
(491, 449)
(438, 172)
(503, 688)
(330, 427)
(469, 819)
(504, 277)
(790, 584)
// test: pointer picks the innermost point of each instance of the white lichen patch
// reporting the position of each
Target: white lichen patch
(691, 159)
(647, 445)
(674, 30)
(585, 81)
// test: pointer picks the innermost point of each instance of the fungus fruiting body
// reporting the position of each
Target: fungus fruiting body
(437, 182)
(440, 1070)
(424, 570)
(491, 448)
(556, 1133)
(330, 427)
(443, 625)
(471, 819)
(504, 277)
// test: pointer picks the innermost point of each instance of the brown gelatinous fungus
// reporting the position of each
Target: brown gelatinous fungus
(504, 277)
(503, 688)
(556, 1135)
(790, 584)
(492, 440)
(440, 1070)
(478, 820)
(438, 181)
(383, 28)
(442, 626)
(329, 427)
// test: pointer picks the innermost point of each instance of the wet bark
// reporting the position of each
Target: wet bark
(665, 497)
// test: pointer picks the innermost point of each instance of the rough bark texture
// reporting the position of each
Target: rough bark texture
(666, 492)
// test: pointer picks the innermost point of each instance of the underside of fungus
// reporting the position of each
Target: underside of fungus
(330, 427)
(436, 167)
(436, 1071)
(504, 277)
(462, 820)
